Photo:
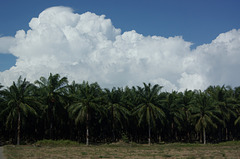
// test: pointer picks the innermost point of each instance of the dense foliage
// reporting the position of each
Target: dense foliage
(51, 108)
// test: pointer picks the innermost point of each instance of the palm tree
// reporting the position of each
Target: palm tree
(222, 99)
(174, 111)
(72, 90)
(149, 109)
(53, 93)
(187, 101)
(237, 121)
(204, 112)
(118, 113)
(86, 102)
(237, 105)
(130, 101)
(19, 101)
(1, 121)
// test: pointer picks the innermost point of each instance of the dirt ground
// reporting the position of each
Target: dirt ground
(190, 151)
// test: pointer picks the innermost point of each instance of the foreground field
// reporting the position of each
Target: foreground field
(120, 150)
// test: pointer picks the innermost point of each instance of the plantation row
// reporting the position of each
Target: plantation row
(51, 108)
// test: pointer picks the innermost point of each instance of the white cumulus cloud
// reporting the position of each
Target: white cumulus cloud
(88, 47)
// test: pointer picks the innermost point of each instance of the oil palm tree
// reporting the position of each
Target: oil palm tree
(187, 101)
(204, 112)
(52, 91)
(118, 113)
(237, 105)
(72, 90)
(174, 111)
(86, 101)
(221, 100)
(18, 102)
(1, 120)
(148, 110)
(130, 101)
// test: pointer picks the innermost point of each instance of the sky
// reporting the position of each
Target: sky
(187, 44)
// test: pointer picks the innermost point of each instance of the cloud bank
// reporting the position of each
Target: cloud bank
(88, 47)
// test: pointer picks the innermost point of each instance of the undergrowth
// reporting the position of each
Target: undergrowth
(57, 143)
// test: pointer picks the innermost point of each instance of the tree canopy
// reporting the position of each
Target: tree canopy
(51, 108)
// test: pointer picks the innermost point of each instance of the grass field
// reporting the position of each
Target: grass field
(122, 150)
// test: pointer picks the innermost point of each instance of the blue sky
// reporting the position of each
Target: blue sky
(197, 21)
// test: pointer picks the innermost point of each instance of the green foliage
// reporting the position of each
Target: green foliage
(116, 110)
(18, 103)
(148, 110)
(86, 104)
(52, 93)
(125, 138)
(53, 109)
(56, 143)
(229, 143)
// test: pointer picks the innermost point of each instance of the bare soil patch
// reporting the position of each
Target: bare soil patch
(134, 151)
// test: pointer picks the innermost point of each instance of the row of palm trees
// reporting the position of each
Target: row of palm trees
(51, 108)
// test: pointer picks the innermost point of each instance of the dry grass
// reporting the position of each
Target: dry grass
(190, 151)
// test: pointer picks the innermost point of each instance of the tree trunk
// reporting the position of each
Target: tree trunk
(188, 134)
(50, 117)
(19, 128)
(159, 139)
(176, 136)
(113, 126)
(113, 133)
(226, 134)
(200, 137)
(204, 136)
(51, 125)
(87, 131)
(149, 135)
